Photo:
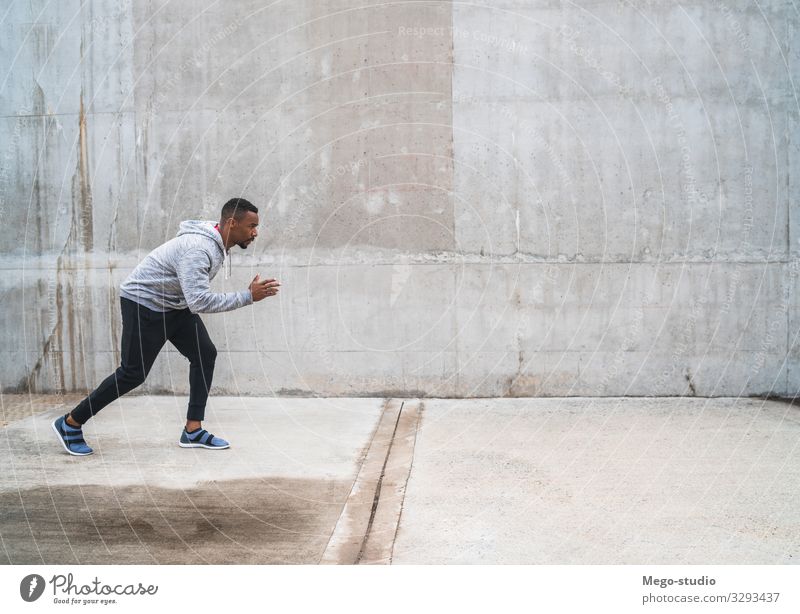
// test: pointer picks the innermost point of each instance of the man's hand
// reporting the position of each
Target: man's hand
(262, 289)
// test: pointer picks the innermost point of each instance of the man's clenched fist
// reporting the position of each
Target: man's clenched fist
(262, 289)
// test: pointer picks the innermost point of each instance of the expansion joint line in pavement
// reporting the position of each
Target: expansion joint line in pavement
(377, 496)
(367, 526)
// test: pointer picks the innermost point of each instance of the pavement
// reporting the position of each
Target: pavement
(406, 481)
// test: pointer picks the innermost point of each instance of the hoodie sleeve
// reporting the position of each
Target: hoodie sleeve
(194, 268)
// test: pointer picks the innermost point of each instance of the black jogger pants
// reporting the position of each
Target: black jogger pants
(144, 333)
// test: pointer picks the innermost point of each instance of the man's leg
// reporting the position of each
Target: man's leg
(191, 339)
(143, 336)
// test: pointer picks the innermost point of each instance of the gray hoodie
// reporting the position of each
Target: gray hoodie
(178, 274)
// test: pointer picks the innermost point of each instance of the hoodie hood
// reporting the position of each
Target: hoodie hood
(206, 228)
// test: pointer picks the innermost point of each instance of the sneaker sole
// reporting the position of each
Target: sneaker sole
(202, 445)
(64, 443)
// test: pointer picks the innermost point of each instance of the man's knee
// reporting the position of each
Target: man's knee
(208, 353)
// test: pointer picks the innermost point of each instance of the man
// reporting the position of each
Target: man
(160, 301)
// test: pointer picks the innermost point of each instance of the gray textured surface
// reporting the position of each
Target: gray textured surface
(273, 497)
(603, 481)
(524, 199)
(542, 481)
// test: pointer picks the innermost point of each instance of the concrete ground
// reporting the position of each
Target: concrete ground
(338, 480)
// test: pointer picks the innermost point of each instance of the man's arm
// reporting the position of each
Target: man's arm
(194, 268)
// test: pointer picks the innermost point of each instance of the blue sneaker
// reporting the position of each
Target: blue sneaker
(71, 438)
(201, 438)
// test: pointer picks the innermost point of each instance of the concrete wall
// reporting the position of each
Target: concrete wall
(526, 198)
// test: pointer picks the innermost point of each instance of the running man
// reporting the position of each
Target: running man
(160, 301)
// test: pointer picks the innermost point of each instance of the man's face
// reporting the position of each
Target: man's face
(243, 232)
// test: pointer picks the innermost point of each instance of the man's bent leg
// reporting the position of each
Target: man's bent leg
(143, 337)
(191, 339)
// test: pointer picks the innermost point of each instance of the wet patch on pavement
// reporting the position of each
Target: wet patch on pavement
(245, 521)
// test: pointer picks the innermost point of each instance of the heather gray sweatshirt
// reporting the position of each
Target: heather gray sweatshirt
(178, 274)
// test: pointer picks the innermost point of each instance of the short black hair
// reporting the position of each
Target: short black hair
(236, 208)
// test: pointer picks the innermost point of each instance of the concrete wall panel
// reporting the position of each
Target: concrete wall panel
(460, 200)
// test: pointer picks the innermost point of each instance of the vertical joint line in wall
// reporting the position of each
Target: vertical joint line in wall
(457, 388)
(452, 131)
(452, 128)
(788, 361)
